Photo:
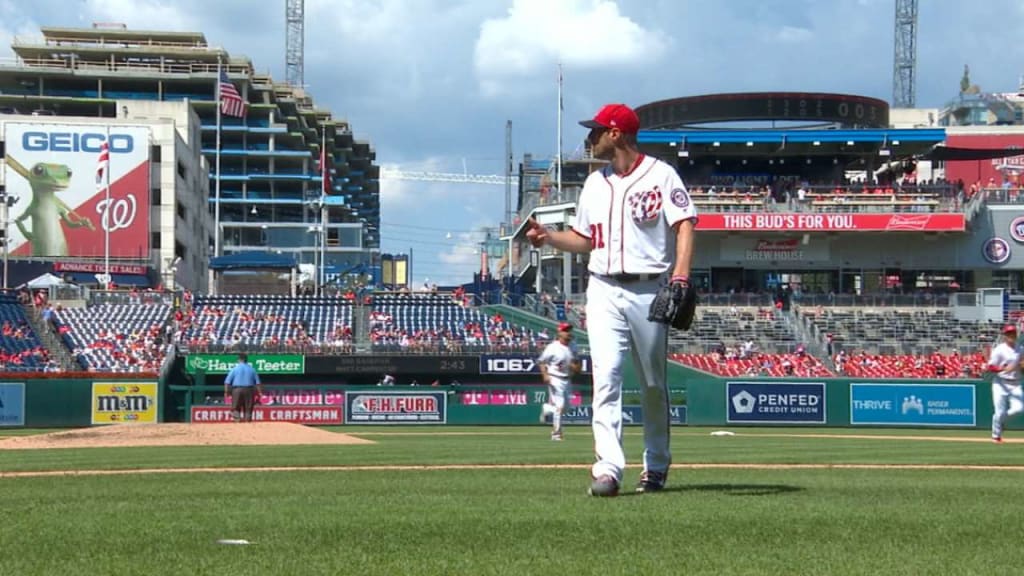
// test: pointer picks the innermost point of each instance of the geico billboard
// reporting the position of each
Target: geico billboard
(62, 207)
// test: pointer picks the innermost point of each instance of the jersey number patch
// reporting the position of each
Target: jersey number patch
(596, 236)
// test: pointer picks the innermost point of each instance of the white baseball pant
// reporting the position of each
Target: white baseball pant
(558, 391)
(1007, 400)
(617, 322)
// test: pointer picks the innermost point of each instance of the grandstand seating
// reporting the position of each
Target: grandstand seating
(934, 366)
(756, 364)
(20, 348)
(116, 337)
(898, 331)
(405, 322)
(268, 322)
(716, 327)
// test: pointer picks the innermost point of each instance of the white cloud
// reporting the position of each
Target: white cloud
(582, 34)
(794, 34)
(143, 14)
(14, 22)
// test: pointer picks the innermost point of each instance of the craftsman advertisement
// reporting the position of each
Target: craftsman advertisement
(59, 175)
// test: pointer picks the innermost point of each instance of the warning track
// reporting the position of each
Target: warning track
(472, 467)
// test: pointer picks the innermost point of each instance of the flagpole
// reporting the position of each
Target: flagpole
(558, 168)
(106, 220)
(323, 212)
(216, 201)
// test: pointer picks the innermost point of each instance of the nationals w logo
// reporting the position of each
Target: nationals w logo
(645, 205)
(116, 214)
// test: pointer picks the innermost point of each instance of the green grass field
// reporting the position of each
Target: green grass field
(526, 520)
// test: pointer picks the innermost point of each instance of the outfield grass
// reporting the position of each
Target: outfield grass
(720, 521)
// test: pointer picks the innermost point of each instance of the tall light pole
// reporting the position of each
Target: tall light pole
(4, 208)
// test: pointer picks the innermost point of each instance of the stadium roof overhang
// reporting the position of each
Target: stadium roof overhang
(695, 143)
(253, 261)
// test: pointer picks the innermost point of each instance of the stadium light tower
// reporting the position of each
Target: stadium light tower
(294, 16)
(904, 64)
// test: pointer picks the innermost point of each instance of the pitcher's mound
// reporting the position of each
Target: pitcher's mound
(121, 435)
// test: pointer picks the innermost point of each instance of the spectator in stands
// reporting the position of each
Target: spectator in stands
(242, 385)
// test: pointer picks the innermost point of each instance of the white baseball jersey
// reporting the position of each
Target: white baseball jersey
(628, 219)
(558, 358)
(1002, 354)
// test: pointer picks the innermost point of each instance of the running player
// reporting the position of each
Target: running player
(1005, 363)
(557, 365)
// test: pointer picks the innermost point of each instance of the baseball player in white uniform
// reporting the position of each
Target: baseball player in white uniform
(1005, 364)
(557, 365)
(636, 220)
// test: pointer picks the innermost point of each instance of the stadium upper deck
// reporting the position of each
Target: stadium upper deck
(827, 197)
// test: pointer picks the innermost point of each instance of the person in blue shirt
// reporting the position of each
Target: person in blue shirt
(242, 384)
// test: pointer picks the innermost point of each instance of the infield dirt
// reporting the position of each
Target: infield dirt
(125, 435)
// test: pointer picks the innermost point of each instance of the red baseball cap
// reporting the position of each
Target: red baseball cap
(615, 116)
(1009, 329)
(565, 327)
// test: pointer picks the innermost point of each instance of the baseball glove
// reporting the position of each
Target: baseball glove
(675, 304)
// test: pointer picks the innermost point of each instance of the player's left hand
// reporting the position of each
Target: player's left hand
(675, 304)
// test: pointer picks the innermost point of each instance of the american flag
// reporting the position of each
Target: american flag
(102, 164)
(231, 103)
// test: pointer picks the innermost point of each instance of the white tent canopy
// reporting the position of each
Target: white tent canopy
(44, 281)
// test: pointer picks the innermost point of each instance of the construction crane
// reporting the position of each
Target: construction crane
(449, 177)
(904, 64)
(294, 17)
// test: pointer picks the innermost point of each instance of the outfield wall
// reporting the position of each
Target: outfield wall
(701, 400)
(66, 403)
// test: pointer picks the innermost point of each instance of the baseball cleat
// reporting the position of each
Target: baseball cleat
(556, 437)
(651, 481)
(997, 439)
(604, 486)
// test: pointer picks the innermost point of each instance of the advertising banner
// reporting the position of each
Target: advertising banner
(503, 397)
(632, 415)
(775, 402)
(773, 250)
(95, 268)
(380, 365)
(913, 404)
(12, 404)
(56, 174)
(308, 415)
(814, 222)
(396, 408)
(990, 171)
(519, 364)
(265, 364)
(124, 402)
(300, 397)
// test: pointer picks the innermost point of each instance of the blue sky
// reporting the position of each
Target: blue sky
(431, 83)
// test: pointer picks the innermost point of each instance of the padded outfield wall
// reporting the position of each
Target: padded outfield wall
(322, 397)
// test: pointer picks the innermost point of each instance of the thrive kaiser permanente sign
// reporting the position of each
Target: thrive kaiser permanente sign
(263, 363)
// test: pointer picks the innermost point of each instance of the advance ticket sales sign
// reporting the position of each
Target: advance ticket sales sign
(775, 403)
(396, 408)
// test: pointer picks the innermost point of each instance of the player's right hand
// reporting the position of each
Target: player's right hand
(536, 233)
